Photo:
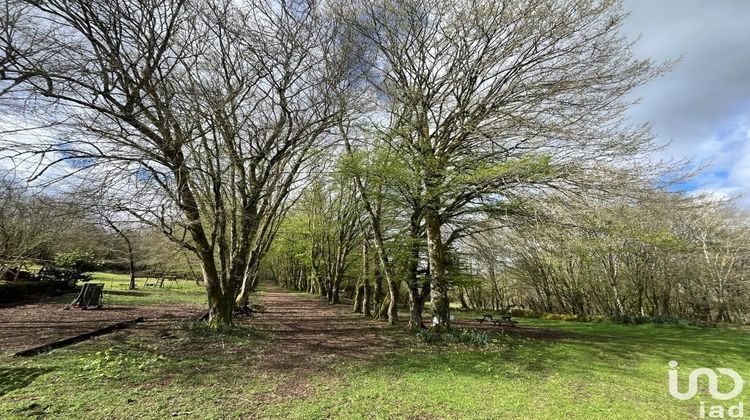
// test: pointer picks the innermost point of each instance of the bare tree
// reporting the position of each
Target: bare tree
(199, 111)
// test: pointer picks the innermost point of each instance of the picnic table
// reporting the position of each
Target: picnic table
(158, 280)
(504, 319)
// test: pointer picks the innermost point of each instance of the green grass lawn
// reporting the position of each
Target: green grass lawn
(116, 291)
(596, 370)
(601, 371)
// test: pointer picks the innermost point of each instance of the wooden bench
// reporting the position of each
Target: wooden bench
(504, 319)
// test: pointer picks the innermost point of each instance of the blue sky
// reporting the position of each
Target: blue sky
(701, 109)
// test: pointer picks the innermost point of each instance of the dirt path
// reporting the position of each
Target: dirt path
(308, 333)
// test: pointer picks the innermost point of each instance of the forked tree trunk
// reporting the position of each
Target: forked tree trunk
(220, 304)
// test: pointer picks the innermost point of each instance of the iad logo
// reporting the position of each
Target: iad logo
(714, 411)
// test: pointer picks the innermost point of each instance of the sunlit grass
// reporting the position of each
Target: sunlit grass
(123, 376)
(116, 291)
(600, 371)
(588, 370)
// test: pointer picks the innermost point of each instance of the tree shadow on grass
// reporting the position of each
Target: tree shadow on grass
(126, 293)
(605, 354)
(18, 377)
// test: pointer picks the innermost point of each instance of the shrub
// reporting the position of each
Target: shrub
(69, 268)
(14, 292)
(524, 313)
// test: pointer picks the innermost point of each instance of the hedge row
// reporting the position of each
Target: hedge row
(626, 319)
(16, 291)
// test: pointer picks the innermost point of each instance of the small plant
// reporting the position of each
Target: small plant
(472, 337)
(110, 365)
(429, 337)
(202, 328)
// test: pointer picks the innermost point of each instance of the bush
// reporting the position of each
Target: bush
(69, 268)
(624, 319)
(561, 317)
(14, 292)
(524, 313)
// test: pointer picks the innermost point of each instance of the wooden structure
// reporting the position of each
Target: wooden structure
(504, 319)
(89, 296)
(158, 280)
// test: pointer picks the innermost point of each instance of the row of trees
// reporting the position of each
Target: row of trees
(36, 227)
(376, 134)
(661, 255)
(668, 257)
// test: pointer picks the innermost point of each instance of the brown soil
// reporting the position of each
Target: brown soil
(307, 332)
(34, 324)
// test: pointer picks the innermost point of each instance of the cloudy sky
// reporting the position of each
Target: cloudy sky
(702, 107)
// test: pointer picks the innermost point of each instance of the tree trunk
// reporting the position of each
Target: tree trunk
(378, 295)
(393, 305)
(131, 263)
(359, 297)
(383, 308)
(377, 234)
(416, 306)
(220, 304)
(249, 281)
(366, 302)
(335, 294)
(462, 299)
(416, 299)
(438, 281)
(366, 290)
(131, 257)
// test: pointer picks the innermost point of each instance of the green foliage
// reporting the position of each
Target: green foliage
(112, 364)
(529, 167)
(464, 336)
(202, 328)
(70, 268)
(76, 261)
(560, 317)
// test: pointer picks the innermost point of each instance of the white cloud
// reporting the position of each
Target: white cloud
(702, 107)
